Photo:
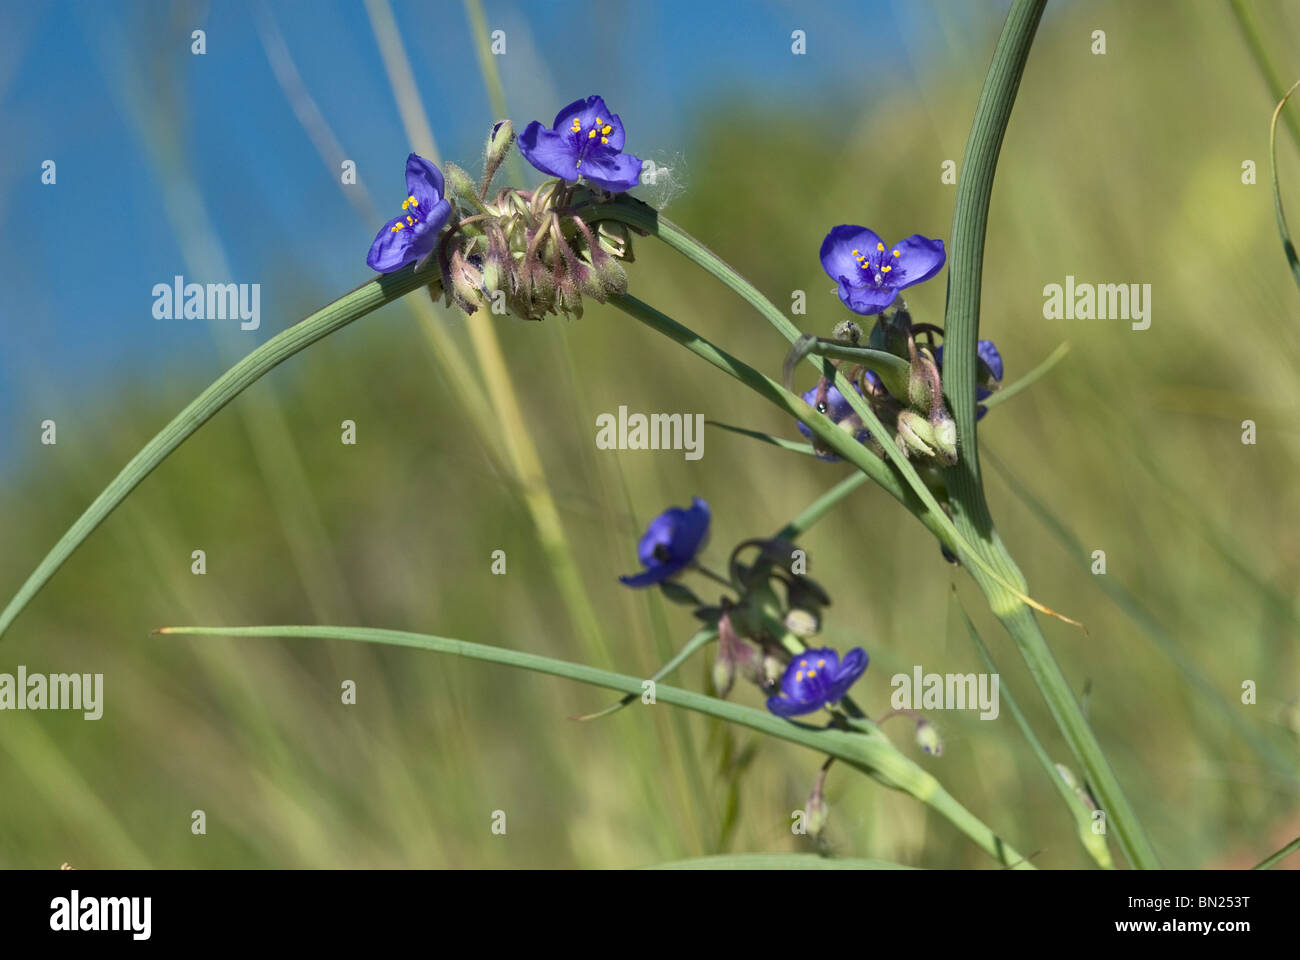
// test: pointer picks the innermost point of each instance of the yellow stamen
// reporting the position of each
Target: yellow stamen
(895, 253)
(811, 674)
(591, 134)
(858, 255)
(799, 675)
(880, 246)
(885, 269)
(821, 663)
(599, 121)
(396, 227)
(606, 130)
(410, 221)
(412, 201)
(604, 139)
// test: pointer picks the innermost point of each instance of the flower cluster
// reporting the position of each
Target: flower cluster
(870, 275)
(763, 623)
(527, 253)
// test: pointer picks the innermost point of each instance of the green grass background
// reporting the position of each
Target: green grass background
(1123, 168)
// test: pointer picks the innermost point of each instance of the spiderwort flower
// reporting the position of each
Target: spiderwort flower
(586, 140)
(869, 273)
(670, 543)
(414, 233)
(990, 372)
(816, 679)
(837, 408)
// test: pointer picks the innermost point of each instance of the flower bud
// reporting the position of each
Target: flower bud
(846, 331)
(927, 738)
(460, 182)
(615, 239)
(816, 812)
(802, 623)
(499, 142)
(724, 674)
(944, 428)
(467, 283)
(915, 435)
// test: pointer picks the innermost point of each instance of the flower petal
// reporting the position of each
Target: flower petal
(837, 251)
(549, 152)
(392, 248)
(615, 172)
(919, 258)
(866, 300)
(785, 707)
(423, 181)
(990, 355)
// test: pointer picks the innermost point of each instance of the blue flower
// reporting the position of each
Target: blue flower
(816, 679)
(413, 234)
(869, 273)
(586, 140)
(837, 408)
(670, 543)
(990, 372)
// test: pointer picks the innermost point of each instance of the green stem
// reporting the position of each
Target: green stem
(364, 299)
(970, 511)
(875, 756)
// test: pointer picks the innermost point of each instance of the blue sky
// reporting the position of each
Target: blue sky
(164, 157)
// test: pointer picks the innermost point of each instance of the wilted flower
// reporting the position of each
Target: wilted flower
(816, 679)
(412, 235)
(869, 273)
(837, 408)
(670, 543)
(586, 141)
(988, 376)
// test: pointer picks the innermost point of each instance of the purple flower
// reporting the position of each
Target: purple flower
(586, 140)
(816, 679)
(869, 273)
(670, 543)
(837, 408)
(410, 236)
(991, 371)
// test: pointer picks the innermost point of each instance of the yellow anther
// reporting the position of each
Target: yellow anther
(799, 675)
(858, 255)
(405, 204)
(591, 134)
(895, 253)
(604, 139)
(803, 663)
(397, 226)
(412, 201)
(821, 663)
(606, 130)
(885, 269)
(599, 121)
(410, 221)
(811, 674)
(880, 246)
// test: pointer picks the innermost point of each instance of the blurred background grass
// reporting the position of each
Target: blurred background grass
(1117, 168)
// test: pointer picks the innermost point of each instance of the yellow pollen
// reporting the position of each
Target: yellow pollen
(606, 129)
(599, 121)
(410, 221)
(821, 663)
(880, 246)
(895, 253)
(811, 674)
(803, 663)
(799, 675)
(858, 255)
(885, 269)
(412, 201)
(604, 139)
(591, 134)
(396, 227)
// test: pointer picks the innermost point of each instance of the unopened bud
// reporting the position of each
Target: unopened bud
(915, 435)
(461, 183)
(615, 239)
(816, 813)
(927, 738)
(846, 331)
(944, 428)
(802, 623)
